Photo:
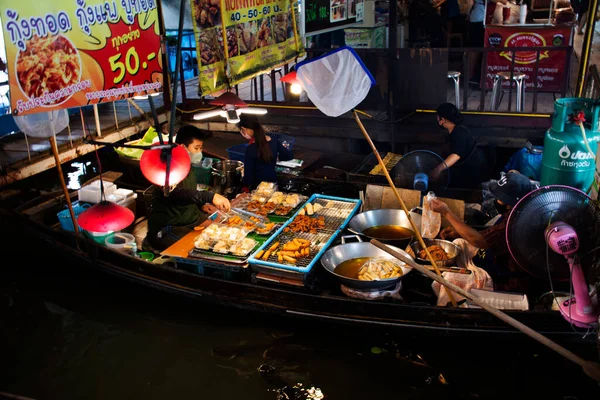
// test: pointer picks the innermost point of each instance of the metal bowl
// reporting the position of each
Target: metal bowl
(346, 251)
(450, 248)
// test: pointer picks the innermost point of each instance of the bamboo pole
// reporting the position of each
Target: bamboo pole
(592, 369)
(586, 47)
(391, 183)
(62, 182)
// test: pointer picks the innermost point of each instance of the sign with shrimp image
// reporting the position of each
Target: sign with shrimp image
(239, 39)
(70, 53)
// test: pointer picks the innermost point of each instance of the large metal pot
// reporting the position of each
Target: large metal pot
(226, 174)
(347, 251)
(384, 216)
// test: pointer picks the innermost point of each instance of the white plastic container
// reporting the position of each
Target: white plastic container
(500, 300)
(91, 193)
(522, 14)
(109, 187)
(126, 194)
(120, 241)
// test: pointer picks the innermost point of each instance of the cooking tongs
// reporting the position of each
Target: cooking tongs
(246, 215)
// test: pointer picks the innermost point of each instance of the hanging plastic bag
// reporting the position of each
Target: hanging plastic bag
(43, 125)
(431, 222)
(335, 82)
(146, 140)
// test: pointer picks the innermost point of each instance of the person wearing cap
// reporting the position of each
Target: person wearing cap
(493, 255)
(467, 163)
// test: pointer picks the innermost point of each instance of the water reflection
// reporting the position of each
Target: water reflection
(74, 178)
(72, 334)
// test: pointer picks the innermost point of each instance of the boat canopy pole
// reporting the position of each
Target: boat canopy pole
(586, 47)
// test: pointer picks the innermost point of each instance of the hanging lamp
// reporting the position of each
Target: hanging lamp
(292, 79)
(105, 216)
(231, 107)
(155, 163)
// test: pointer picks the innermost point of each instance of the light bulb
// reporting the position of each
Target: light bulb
(296, 89)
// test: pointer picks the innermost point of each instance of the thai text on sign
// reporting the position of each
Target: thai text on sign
(63, 54)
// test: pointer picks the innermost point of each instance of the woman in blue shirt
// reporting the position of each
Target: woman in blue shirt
(262, 153)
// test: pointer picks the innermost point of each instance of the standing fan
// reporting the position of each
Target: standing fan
(553, 231)
(414, 169)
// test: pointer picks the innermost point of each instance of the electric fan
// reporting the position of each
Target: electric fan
(555, 230)
(414, 171)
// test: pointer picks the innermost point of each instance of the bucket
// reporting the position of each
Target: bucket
(120, 241)
(146, 256)
(98, 237)
(227, 174)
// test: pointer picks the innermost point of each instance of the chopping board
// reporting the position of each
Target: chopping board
(378, 196)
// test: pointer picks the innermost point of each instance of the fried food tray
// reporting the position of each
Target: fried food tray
(215, 256)
(243, 204)
(336, 212)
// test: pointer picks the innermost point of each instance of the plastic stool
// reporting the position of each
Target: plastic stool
(455, 75)
(519, 79)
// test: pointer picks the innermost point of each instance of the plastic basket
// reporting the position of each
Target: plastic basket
(64, 216)
(237, 152)
(290, 140)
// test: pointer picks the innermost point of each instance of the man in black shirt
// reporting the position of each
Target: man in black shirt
(467, 163)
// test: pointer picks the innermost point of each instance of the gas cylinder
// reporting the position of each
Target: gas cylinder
(566, 159)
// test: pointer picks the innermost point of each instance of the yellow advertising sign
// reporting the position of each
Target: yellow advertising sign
(239, 39)
(69, 53)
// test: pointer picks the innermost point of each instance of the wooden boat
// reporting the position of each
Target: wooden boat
(34, 216)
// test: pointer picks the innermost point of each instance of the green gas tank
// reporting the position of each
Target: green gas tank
(566, 159)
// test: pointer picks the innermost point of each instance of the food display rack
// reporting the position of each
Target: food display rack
(336, 218)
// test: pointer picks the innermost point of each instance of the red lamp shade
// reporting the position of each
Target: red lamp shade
(228, 98)
(153, 164)
(105, 216)
(291, 78)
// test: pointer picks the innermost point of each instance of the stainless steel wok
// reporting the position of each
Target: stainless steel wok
(347, 251)
(384, 216)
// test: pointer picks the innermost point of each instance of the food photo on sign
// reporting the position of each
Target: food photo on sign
(259, 37)
(337, 10)
(63, 54)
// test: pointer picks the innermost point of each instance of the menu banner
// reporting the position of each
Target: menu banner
(239, 39)
(551, 67)
(71, 53)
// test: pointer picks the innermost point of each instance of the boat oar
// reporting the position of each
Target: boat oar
(592, 369)
(391, 183)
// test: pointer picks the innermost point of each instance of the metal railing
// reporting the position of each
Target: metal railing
(459, 59)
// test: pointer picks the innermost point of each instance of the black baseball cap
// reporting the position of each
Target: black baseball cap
(511, 188)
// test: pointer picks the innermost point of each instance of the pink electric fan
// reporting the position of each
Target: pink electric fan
(566, 221)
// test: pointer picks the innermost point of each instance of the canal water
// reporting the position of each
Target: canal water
(68, 333)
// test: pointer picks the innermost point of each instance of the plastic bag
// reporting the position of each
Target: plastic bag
(431, 222)
(136, 154)
(477, 279)
(43, 125)
(336, 82)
